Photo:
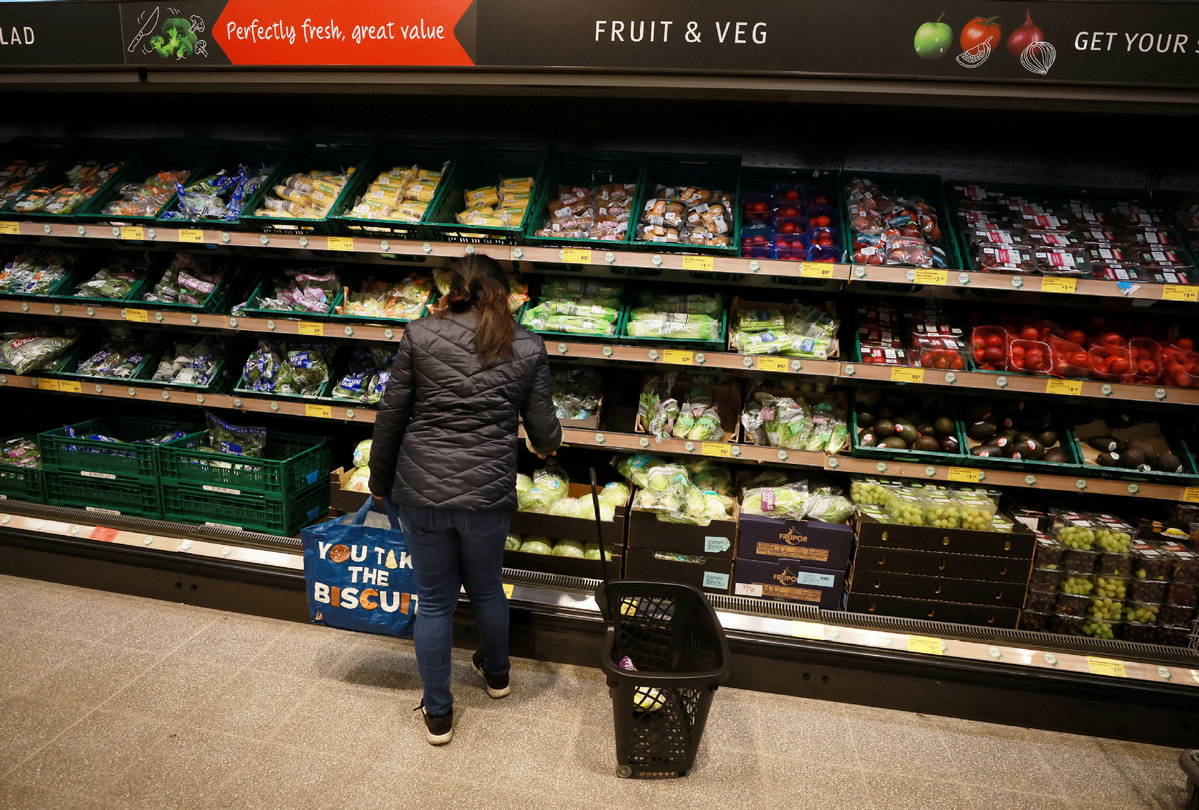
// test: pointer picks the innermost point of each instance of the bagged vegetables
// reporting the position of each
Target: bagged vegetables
(146, 199)
(17, 174)
(187, 280)
(21, 452)
(546, 487)
(793, 423)
(635, 468)
(399, 194)
(590, 212)
(299, 369)
(695, 316)
(82, 181)
(185, 363)
(687, 215)
(367, 375)
(798, 330)
(29, 350)
(697, 418)
(36, 272)
(376, 298)
(501, 206)
(670, 491)
(298, 290)
(362, 454)
(219, 196)
(232, 440)
(307, 195)
(575, 390)
(119, 355)
(120, 274)
(576, 306)
(888, 229)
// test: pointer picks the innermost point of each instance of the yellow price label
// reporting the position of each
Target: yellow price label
(10, 228)
(810, 630)
(910, 375)
(1177, 292)
(138, 315)
(925, 644)
(779, 364)
(964, 475)
(926, 276)
(133, 232)
(677, 357)
(1069, 388)
(1050, 284)
(311, 329)
(717, 449)
(1191, 494)
(322, 411)
(508, 588)
(191, 236)
(699, 263)
(341, 243)
(576, 255)
(816, 270)
(1106, 666)
(48, 385)
(70, 386)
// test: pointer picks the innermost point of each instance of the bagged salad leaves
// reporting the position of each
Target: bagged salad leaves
(117, 278)
(80, 184)
(576, 391)
(362, 454)
(670, 492)
(793, 423)
(17, 174)
(367, 374)
(145, 199)
(188, 363)
(187, 280)
(36, 272)
(404, 300)
(236, 441)
(299, 369)
(20, 451)
(698, 418)
(121, 352)
(218, 196)
(311, 290)
(26, 351)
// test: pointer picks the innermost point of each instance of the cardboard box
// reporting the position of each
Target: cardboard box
(709, 574)
(928, 610)
(568, 528)
(789, 581)
(836, 399)
(342, 499)
(809, 542)
(1016, 544)
(564, 566)
(941, 589)
(717, 540)
(728, 404)
(936, 564)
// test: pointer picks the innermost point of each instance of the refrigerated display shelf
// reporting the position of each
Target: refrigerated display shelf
(613, 353)
(858, 277)
(1178, 667)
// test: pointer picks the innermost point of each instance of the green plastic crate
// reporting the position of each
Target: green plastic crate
(585, 169)
(26, 484)
(321, 157)
(711, 345)
(430, 155)
(713, 172)
(291, 464)
(68, 368)
(253, 155)
(100, 150)
(926, 186)
(99, 460)
(1071, 467)
(122, 496)
(158, 156)
(263, 286)
(184, 503)
(962, 458)
(480, 165)
(68, 291)
(354, 278)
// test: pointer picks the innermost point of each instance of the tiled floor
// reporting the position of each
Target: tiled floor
(110, 701)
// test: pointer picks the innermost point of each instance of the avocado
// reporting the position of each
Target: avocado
(884, 411)
(927, 444)
(907, 431)
(867, 439)
(981, 431)
(1120, 419)
(1105, 444)
(1148, 449)
(944, 426)
(1109, 459)
(1056, 455)
(978, 412)
(1047, 438)
(865, 419)
(884, 428)
(1132, 458)
(1030, 449)
(950, 444)
(894, 443)
(1168, 462)
(926, 429)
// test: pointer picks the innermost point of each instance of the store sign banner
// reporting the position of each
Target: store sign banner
(43, 34)
(292, 33)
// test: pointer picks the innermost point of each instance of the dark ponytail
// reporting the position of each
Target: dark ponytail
(479, 283)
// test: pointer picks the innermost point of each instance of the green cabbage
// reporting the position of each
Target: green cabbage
(777, 502)
(523, 483)
(635, 468)
(614, 493)
(512, 543)
(591, 551)
(568, 548)
(708, 475)
(587, 510)
(535, 544)
(567, 507)
(828, 508)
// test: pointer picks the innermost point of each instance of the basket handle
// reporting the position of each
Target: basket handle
(604, 605)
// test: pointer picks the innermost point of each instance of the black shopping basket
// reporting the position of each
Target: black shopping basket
(664, 656)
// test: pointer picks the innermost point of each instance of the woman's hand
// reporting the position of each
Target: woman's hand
(378, 502)
(533, 450)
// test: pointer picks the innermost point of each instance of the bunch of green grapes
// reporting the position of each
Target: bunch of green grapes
(1076, 537)
(1077, 584)
(1142, 612)
(942, 516)
(1113, 540)
(906, 513)
(1098, 629)
(1109, 587)
(1104, 608)
(870, 492)
(978, 520)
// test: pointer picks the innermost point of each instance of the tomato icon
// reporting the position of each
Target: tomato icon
(978, 31)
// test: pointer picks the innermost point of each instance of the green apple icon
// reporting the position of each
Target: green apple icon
(933, 39)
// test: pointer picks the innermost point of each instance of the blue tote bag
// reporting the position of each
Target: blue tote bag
(359, 573)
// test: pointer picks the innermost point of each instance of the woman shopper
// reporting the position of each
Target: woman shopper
(444, 451)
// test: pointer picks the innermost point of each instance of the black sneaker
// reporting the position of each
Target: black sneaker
(497, 685)
(439, 730)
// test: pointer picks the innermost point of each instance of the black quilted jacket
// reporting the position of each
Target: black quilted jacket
(445, 435)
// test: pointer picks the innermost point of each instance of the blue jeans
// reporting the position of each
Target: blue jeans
(452, 548)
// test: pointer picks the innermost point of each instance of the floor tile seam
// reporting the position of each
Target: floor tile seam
(152, 743)
(283, 721)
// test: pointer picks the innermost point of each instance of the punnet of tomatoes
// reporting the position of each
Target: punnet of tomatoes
(1069, 359)
(1111, 363)
(756, 208)
(1146, 360)
(989, 346)
(1180, 365)
(1030, 356)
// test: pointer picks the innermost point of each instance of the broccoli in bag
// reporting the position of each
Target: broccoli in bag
(236, 441)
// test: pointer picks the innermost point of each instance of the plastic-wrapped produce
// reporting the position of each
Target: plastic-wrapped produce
(117, 278)
(187, 280)
(367, 375)
(672, 325)
(287, 368)
(308, 195)
(21, 452)
(376, 298)
(26, 351)
(299, 290)
(710, 476)
(17, 174)
(36, 272)
(548, 486)
(635, 468)
(576, 391)
(598, 212)
(146, 198)
(362, 454)
(219, 196)
(119, 356)
(233, 440)
(687, 215)
(82, 181)
(788, 501)
(399, 194)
